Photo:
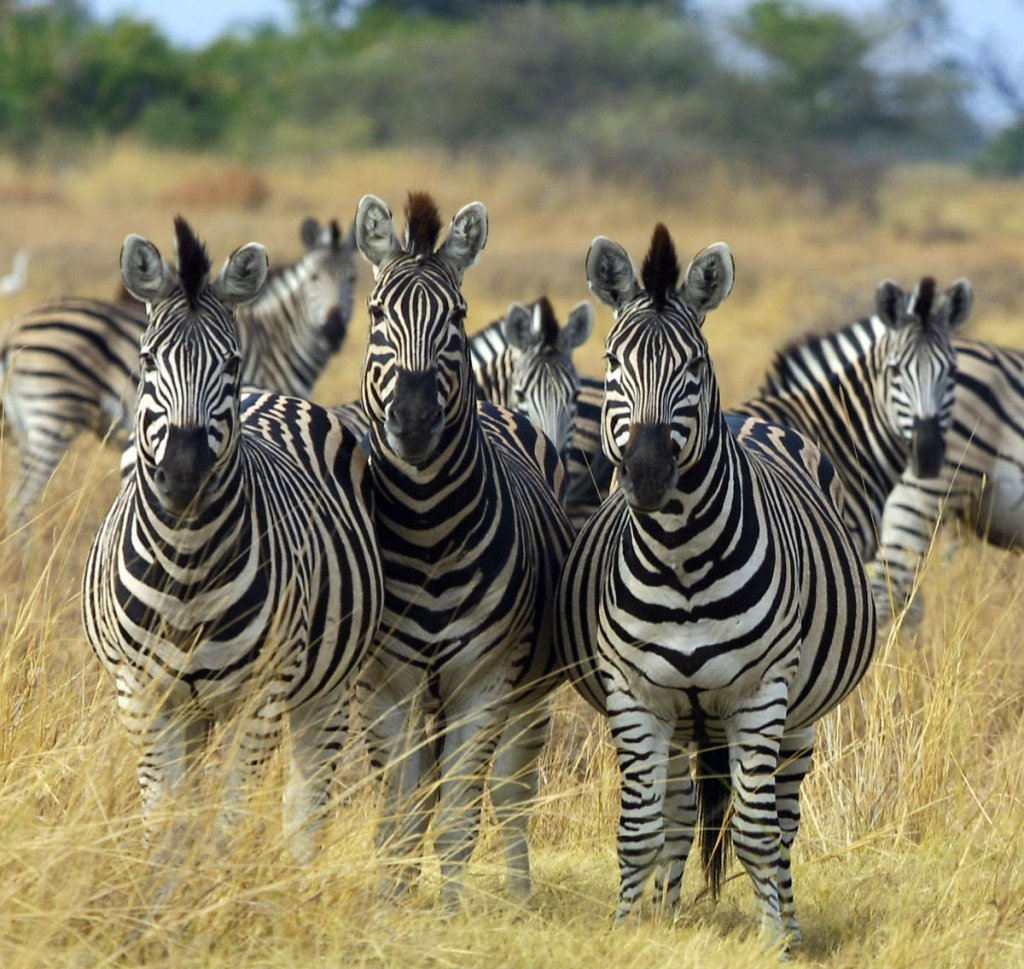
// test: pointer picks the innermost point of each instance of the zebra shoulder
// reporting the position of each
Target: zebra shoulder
(518, 438)
(311, 434)
(786, 448)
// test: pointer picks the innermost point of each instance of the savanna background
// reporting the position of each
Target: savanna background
(799, 143)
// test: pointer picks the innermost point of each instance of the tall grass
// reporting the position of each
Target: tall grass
(910, 851)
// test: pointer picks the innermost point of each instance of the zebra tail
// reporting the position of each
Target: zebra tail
(711, 775)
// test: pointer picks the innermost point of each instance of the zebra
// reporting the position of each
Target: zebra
(877, 397)
(71, 365)
(236, 575)
(523, 361)
(982, 477)
(715, 599)
(472, 538)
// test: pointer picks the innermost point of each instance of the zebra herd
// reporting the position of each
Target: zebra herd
(484, 525)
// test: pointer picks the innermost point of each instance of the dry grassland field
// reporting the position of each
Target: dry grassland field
(911, 851)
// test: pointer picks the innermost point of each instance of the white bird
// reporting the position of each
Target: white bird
(18, 276)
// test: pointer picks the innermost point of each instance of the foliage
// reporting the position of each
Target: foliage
(1004, 154)
(642, 87)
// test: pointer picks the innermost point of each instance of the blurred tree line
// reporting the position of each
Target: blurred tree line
(645, 87)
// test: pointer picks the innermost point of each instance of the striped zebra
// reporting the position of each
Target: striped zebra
(71, 366)
(982, 478)
(236, 576)
(472, 538)
(877, 397)
(714, 600)
(546, 387)
(523, 362)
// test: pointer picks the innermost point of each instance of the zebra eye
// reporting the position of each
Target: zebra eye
(146, 361)
(611, 361)
(376, 315)
(232, 365)
(519, 394)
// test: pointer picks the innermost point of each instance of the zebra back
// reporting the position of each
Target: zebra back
(236, 575)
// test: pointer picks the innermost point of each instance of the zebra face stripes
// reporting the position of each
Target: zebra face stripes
(542, 381)
(876, 396)
(236, 578)
(920, 364)
(715, 600)
(471, 537)
(71, 365)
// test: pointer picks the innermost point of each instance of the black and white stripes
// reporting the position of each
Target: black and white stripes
(472, 538)
(71, 366)
(236, 577)
(715, 599)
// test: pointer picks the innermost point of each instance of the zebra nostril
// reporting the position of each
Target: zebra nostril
(160, 477)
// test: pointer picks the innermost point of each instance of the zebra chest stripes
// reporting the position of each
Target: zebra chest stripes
(236, 578)
(714, 601)
(71, 366)
(471, 538)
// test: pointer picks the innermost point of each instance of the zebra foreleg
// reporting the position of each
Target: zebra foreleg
(680, 812)
(794, 763)
(467, 749)
(513, 788)
(318, 733)
(642, 746)
(754, 732)
(404, 755)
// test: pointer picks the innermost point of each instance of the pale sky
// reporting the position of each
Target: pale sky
(196, 23)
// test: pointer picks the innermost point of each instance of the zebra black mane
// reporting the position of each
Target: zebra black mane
(923, 300)
(423, 224)
(660, 272)
(193, 261)
(548, 323)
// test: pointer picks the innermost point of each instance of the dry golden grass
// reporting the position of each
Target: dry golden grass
(911, 850)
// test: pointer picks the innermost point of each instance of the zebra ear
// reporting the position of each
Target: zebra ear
(517, 327)
(375, 231)
(959, 300)
(578, 327)
(709, 277)
(610, 274)
(310, 232)
(890, 303)
(466, 238)
(146, 276)
(243, 275)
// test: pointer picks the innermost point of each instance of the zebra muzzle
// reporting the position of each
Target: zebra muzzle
(185, 470)
(648, 471)
(927, 447)
(415, 419)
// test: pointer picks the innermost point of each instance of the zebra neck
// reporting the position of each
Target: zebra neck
(221, 521)
(280, 336)
(707, 499)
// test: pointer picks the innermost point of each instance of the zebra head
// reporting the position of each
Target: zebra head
(416, 375)
(328, 270)
(661, 397)
(919, 365)
(544, 381)
(186, 422)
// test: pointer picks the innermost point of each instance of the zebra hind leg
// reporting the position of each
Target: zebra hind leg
(405, 757)
(468, 742)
